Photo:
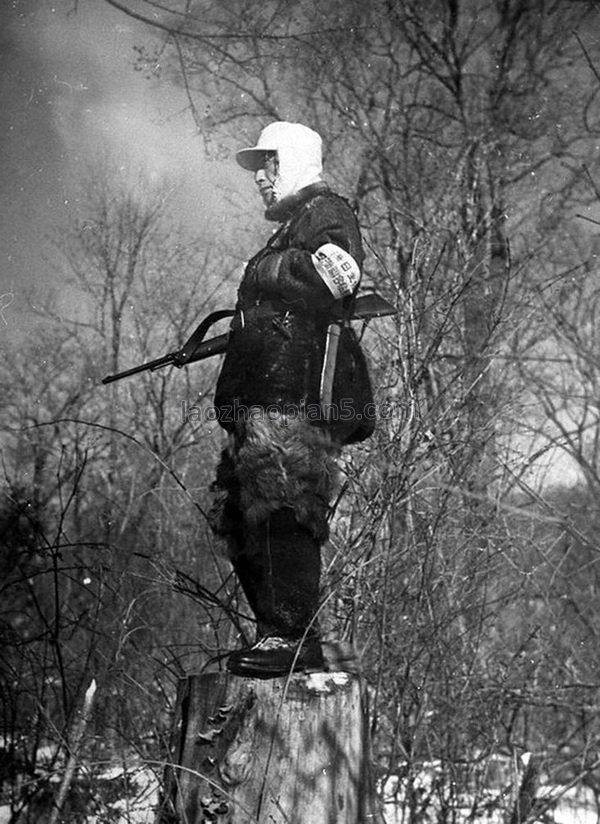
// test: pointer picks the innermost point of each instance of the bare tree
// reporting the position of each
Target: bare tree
(104, 498)
(453, 127)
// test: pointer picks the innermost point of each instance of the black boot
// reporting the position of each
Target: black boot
(279, 568)
(272, 657)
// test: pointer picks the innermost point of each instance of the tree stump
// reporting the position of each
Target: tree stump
(279, 751)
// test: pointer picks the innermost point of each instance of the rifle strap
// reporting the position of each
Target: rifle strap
(187, 351)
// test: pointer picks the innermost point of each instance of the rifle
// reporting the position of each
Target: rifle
(196, 348)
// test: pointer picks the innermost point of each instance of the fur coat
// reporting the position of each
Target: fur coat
(278, 335)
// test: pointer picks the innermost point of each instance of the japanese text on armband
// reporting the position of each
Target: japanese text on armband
(338, 269)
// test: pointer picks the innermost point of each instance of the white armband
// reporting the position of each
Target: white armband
(338, 269)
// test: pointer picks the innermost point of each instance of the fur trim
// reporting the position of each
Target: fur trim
(225, 517)
(279, 462)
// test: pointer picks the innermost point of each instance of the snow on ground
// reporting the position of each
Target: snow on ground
(576, 805)
(138, 805)
(573, 805)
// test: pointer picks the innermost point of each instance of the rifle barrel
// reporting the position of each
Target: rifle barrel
(189, 354)
(150, 365)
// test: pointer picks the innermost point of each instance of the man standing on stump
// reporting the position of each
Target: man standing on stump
(292, 391)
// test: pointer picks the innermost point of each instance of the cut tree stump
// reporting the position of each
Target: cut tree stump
(279, 751)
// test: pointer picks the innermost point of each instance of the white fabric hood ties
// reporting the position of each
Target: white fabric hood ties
(299, 153)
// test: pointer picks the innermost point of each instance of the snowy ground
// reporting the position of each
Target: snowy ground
(569, 806)
(138, 805)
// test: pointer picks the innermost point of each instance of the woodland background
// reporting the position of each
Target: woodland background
(463, 563)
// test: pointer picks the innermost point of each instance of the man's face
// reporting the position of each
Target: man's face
(265, 179)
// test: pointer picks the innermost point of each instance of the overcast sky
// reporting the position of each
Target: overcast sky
(69, 93)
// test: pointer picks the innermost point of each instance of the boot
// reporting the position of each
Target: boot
(272, 657)
(278, 566)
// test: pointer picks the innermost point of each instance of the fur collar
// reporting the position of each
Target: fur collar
(280, 212)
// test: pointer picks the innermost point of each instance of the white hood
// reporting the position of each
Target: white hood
(299, 151)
